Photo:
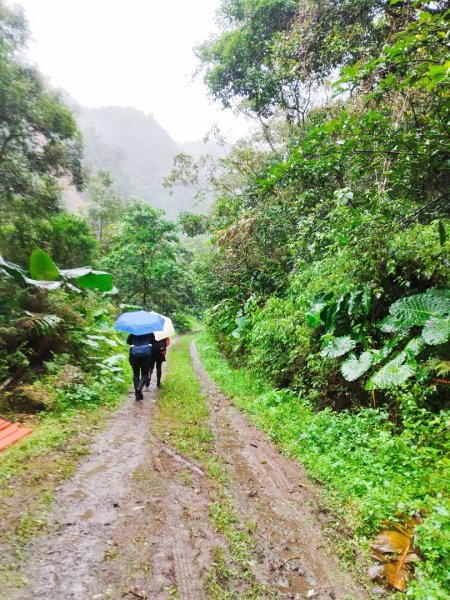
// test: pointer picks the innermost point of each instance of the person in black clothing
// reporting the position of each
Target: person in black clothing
(157, 358)
(140, 360)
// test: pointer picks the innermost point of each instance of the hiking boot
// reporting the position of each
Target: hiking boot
(136, 388)
(158, 384)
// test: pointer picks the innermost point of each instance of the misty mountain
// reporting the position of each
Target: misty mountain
(138, 153)
(198, 148)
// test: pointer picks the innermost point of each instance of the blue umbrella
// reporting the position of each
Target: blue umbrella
(139, 322)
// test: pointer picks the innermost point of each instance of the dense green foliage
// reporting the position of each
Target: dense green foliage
(149, 263)
(347, 213)
(46, 313)
(50, 322)
(54, 321)
(327, 273)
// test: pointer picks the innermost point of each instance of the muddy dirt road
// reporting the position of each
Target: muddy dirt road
(134, 521)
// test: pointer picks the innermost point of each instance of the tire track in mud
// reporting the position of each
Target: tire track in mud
(184, 571)
(169, 547)
(274, 491)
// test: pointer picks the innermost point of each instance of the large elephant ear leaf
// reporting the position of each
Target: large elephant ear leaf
(414, 347)
(394, 373)
(417, 309)
(42, 268)
(354, 367)
(338, 347)
(393, 324)
(436, 331)
(96, 280)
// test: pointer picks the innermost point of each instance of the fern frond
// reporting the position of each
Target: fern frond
(40, 324)
(440, 367)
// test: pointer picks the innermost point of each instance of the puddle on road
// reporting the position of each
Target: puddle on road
(87, 515)
(96, 470)
(79, 495)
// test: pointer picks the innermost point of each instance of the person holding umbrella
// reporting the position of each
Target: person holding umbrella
(148, 337)
(157, 358)
(141, 352)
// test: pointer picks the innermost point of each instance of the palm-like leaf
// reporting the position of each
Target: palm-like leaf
(12, 270)
(42, 268)
(96, 280)
(45, 285)
(46, 275)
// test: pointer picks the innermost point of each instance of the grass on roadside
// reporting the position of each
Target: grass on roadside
(182, 420)
(31, 469)
(369, 473)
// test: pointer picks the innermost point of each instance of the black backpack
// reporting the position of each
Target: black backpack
(141, 347)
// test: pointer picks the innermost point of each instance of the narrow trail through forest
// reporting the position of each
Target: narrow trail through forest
(134, 522)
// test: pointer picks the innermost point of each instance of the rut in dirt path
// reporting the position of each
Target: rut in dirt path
(275, 492)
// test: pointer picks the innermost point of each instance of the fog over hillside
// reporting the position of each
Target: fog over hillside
(138, 153)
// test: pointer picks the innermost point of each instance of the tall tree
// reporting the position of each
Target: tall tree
(274, 53)
(105, 206)
(146, 259)
(39, 140)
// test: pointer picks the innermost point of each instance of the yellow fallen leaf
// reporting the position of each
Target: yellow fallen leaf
(391, 541)
(397, 575)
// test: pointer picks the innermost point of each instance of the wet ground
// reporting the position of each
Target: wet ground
(133, 522)
(274, 491)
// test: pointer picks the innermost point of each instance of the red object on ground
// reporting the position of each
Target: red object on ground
(11, 432)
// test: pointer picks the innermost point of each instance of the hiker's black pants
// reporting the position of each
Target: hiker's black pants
(158, 364)
(141, 368)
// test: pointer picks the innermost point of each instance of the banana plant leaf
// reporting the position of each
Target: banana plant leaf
(42, 267)
(45, 274)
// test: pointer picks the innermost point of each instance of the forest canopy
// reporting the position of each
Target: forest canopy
(324, 235)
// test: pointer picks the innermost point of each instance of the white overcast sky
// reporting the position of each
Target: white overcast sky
(130, 53)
